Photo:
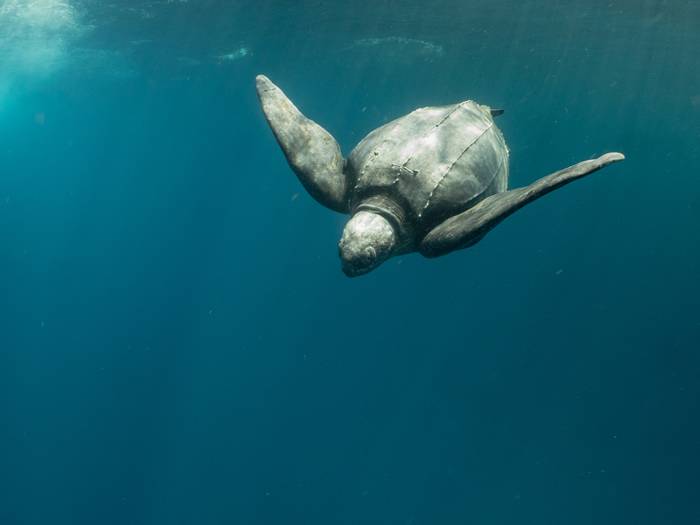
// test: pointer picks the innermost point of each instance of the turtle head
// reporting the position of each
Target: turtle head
(368, 240)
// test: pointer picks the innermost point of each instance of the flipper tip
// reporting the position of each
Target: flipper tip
(612, 157)
(262, 83)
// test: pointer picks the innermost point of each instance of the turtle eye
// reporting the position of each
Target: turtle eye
(370, 253)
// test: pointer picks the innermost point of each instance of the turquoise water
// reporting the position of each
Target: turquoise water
(178, 344)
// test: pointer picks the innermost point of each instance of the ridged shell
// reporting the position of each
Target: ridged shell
(435, 161)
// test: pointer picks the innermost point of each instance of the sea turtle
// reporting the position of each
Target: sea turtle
(432, 181)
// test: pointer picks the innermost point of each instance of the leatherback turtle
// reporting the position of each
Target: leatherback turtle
(432, 181)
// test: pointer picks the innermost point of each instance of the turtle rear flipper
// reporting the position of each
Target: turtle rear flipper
(311, 151)
(470, 226)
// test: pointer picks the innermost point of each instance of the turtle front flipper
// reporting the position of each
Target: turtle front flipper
(311, 151)
(470, 226)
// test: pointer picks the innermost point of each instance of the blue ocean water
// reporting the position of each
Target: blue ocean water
(178, 344)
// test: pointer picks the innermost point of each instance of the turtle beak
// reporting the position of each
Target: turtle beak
(352, 272)
(355, 264)
(368, 240)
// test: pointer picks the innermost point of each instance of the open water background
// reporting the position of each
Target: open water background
(178, 344)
